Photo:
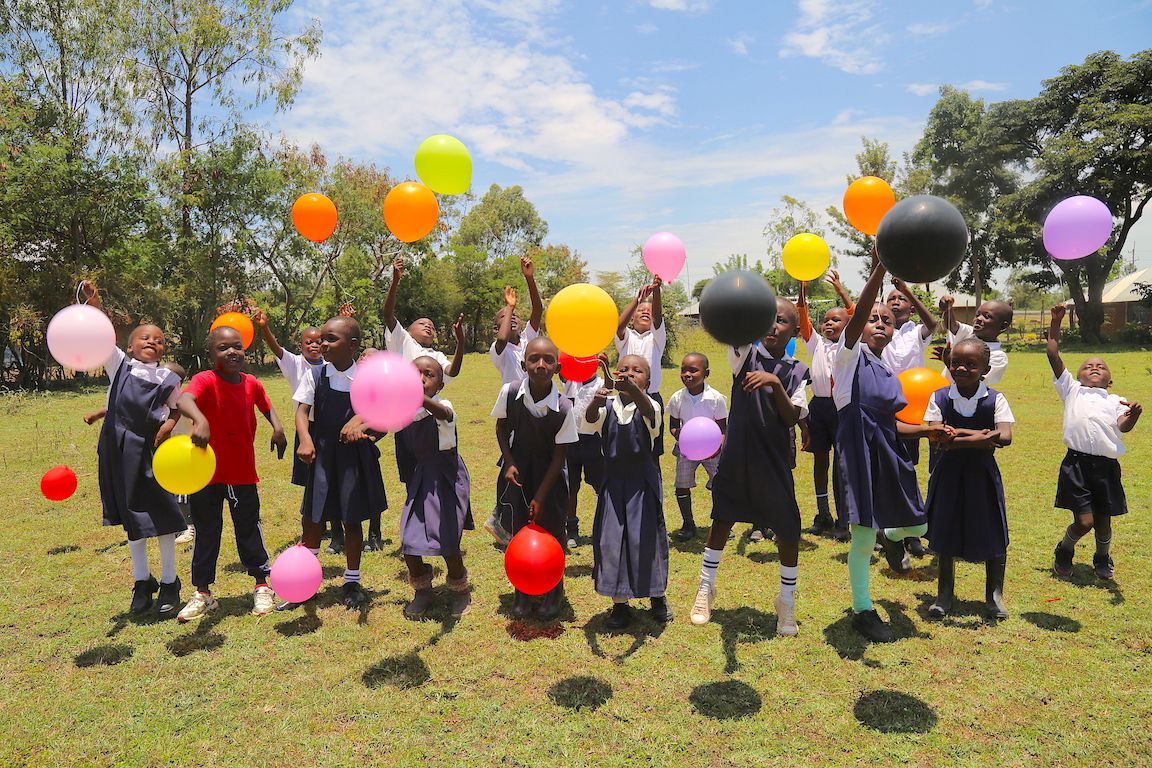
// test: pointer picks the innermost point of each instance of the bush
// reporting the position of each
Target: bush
(1135, 333)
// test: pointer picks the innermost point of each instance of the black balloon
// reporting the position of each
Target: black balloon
(922, 238)
(737, 307)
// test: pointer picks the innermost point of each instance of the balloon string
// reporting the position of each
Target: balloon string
(80, 300)
(502, 502)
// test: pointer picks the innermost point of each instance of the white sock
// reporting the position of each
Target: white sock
(167, 546)
(351, 575)
(788, 582)
(315, 551)
(711, 563)
(139, 551)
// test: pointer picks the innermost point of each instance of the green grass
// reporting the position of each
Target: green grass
(1067, 680)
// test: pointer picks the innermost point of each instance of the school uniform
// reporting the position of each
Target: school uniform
(510, 362)
(822, 414)
(903, 353)
(140, 398)
(295, 368)
(753, 482)
(585, 457)
(629, 538)
(650, 346)
(997, 358)
(967, 517)
(684, 406)
(398, 340)
(1090, 479)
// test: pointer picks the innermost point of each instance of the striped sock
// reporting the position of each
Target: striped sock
(711, 563)
(1070, 539)
(1104, 546)
(788, 582)
(822, 502)
(351, 575)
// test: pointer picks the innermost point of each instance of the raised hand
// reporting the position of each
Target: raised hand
(1134, 409)
(260, 318)
(526, 267)
(458, 329)
(946, 303)
(510, 296)
(1058, 311)
(346, 310)
(398, 268)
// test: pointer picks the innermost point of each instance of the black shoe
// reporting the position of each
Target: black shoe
(336, 546)
(842, 534)
(142, 595)
(914, 546)
(687, 533)
(1062, 561)
(1103, 566)
(821, 524)
(354, 597)
(168, 599)
(661, 611)
(553, 602)
(947, 585)
(521, 605)
(620, 616)
(895, 553)
(870, 625)
(994, 587)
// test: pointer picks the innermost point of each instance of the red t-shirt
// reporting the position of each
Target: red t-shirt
(231, 413)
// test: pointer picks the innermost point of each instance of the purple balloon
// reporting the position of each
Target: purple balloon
(296, 574)
(1077, 227)
(700, 438)
(387, 391)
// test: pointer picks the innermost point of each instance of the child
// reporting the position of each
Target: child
(585, 458)
(877, 485)
(1094, 424)
(647, 337)
(140, 398)
(821, 423)
(534, 427)
(629, 540)
(438, 509)
(992, 319)
(753, 482)
(966, 512)
(695, 399)
(220, 404)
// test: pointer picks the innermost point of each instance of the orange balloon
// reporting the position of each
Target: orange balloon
(918, 384)
(314, 216)
(410, 211)
(866, 201)
(240, 322)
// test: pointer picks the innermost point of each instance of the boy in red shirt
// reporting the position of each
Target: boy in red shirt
(220, 404)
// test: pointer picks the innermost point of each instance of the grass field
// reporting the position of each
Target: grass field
(1066, 681)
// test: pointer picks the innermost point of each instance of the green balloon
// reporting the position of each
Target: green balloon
(444, 165)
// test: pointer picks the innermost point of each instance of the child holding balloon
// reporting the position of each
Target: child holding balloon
(696, 399)
(141, 395)
(647, 338)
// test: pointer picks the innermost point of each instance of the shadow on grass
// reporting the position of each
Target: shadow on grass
(64, 548)
(642, 627)
(103, 655)
(577, 571)
(112, 546)
(850, 644)
(694, 546)
(403, 671)
(894, 712)
(580, 692)
(195, 641)
(1051, 621)
(727, 700)
(301, 625)
(742, 625)
(149, 617)
(1083, 576)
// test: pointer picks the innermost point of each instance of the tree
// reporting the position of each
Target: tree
(793, 219)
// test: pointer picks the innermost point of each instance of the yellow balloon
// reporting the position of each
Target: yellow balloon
(806, 257)
(182, 468)
(582, 320)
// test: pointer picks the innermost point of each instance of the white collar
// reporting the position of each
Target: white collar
(332, 371)
(763, 351)
(551, 400)
(981, 392)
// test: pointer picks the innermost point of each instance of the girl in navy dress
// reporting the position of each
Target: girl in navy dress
(966, 513)
(629, 540)
(876, 485)
(438, 509)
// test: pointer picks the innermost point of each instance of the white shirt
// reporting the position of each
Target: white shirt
(398, 340)
(295, 368)
(624, 415)
(551, 402)
(844, 369)
(906, 350)
(153, 373)
(710, 403)
(966, 406)
(581, 393)
(736, 356)
(998, 359)
(510, 362)
(648, 345)
(445, 428)
(1090, 416)
(823, 353)
(340, 381)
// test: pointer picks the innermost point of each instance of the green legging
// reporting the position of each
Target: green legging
(860, 558)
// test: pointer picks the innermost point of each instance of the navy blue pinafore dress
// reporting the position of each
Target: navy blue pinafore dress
(533, 445)
(438, 509)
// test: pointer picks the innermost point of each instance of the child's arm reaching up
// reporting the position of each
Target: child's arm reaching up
(834, 280)
(1129, 418)
(626, 315)
(504, 331)
(925, 314)
(951, 324)
(802, 311)
(390, 299)
(657, 302)
(856, 323)
(1054, 358)
(261, 320)
(279, 441)
(458, 358)
(529, 272)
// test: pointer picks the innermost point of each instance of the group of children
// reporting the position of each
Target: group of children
(608, 432)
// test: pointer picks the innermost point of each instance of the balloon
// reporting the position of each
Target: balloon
(534, 560)
(182, 468)
(790, 350)
(58, 483)
(737, 307)
(918, 385)
(444, 165)
(1077, 227)
(866, 201)
(314, 216)
(410, 211)
(577, 368)
(387, 391)
(806, 256)
(664, 256)
(238, 321)
(700, 438)
(922, 238)
(582, 320)
(296, 574)
(81, 337)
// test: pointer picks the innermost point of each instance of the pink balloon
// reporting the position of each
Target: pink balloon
(81, 337)
(296, 574)
(387, 391)
(700, 438)
(664, 256)
(1077, 227)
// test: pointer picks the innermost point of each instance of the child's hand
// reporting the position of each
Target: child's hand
(397, 268)
(901, 286)
(600, 399)
(534, 508)
(946, 303)
(509, 296)
(200, 433)
(92, 418)
(657, 282)
(88, 290)
(940, 433)
(628, 387)
(645, 292)
(834, 280)
(279, 442)
(354, 431)
(527, 268)
(346, 310)
(1134, 409)
(938, 352)
(802, 295)
(306, 452)
(458, 329)
(986, 438)
(805, 434)
(753, 380)
(162, 434)
(512, 475)
(1058, 312)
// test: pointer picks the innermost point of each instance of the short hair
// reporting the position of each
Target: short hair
(220, 330)
(700, 355)
(642, 359)
(349, 325)
(430, 359)
(309, 329)
(142, 326)
(981, 347)
(539, 340)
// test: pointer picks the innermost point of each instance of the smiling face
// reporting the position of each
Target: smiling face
(226, 349)
(635, 369)
(900, 306)
(879, 328)
(693, 371)
(1094, 372)
(642, 320)
(339, 339)
(147, 344)
(431, 374)
(968, 364)
(834, 321)
(783, 329)
(992, 319)
(541, 360)
(422, 332)
(514, 324)
(310, 345)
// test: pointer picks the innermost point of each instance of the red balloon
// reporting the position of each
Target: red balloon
(58, 483)
(918, 385)
(534, 560)
(577, 368)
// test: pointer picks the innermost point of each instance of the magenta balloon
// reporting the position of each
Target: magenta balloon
(296, 574)
(387, 391)
(700, 438)
(664, 255)
(1077, 227)
(81, 337)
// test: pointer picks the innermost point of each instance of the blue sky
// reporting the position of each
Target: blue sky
(632, 117)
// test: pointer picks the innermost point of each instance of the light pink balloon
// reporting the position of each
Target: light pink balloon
(1077, 227)
(387, 391)
(81, 337)
(664, 256)
(296, 574)
(700, 438)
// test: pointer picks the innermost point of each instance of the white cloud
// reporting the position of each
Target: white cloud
(845, 116)
(982, 85)
(661, 101)
(921, 89)
(831, 30)
(928, 29)
(647, 28)
(658, 67)
(983, 3)
(692, 6)
(739, 44)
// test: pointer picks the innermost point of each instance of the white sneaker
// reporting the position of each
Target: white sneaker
(785, 617)
(200, 605)
(702, 608)
(263, 600)
(188, 536)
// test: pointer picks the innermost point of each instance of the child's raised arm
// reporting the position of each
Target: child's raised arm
(951, 324)
(856, 323)
(390, 299)
(626, 315)
(802, 311)
(1054, 358)
(279, 441)
(925, 314)
(261, 320)
(657, 303)
(528, 269)
(504, 330)
(834, 281)
(458, 358)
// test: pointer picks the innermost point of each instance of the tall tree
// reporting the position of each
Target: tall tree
(794, 218)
